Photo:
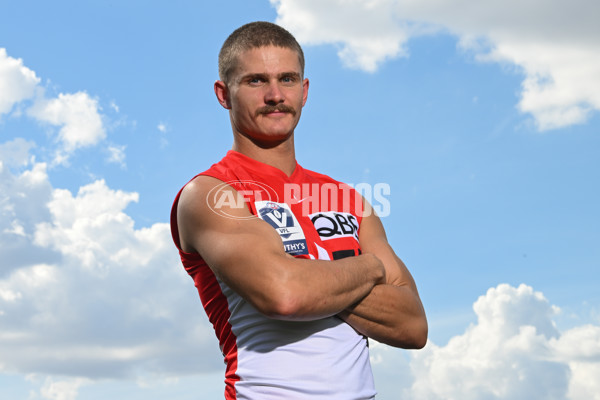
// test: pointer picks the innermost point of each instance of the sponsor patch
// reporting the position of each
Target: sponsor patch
(281, 217)
(333, 224)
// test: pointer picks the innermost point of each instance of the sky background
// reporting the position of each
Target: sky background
(481, 116)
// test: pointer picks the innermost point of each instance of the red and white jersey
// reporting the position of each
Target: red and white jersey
(316, 217)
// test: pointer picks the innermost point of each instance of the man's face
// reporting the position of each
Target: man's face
(266, 94)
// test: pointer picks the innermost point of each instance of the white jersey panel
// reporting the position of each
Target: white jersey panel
(321, 359)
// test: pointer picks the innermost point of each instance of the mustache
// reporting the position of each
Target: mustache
(279, 107)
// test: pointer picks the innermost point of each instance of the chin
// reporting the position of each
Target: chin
(270, 139)
(275, 133)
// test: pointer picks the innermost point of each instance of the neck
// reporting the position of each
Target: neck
(280, 155)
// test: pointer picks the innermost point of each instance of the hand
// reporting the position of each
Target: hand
(377, 268)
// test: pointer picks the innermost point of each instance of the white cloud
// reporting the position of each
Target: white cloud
(17, 82)
(15, 153)
(98, 298)
(114, 106)
(163, 128)
(580, 348)
(22, 205)
(513, 352)
(88, 226)
(366, 31)
(555, 44)
(78, 116)
(116, 154)
(61, 390)
(86, 294)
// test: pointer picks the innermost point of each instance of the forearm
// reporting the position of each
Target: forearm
(247, 254)
(301, 289)
(390, 314)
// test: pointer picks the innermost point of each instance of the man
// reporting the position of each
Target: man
(292, 284)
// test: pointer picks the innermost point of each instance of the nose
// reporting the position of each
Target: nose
(273, 94)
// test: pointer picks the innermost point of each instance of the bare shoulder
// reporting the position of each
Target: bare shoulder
(241, 249)
(207, 204)
(198, 189)
(372, 236)
(371, 231)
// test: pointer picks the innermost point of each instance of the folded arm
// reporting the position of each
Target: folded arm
(247, 254)
(392, 312)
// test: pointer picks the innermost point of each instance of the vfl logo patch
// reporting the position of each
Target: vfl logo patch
(280, 217)
(333, 224)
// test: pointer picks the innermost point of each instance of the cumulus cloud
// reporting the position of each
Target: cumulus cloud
(366, 32)
(76, 114)
(22, 205)
(580, 348)
(17, 82)
(86, 294)
(514, 351)
(53, 389)
(556, 45)
(15, 153)
(76, 118)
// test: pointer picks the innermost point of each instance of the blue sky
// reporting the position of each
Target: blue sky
(482, 119)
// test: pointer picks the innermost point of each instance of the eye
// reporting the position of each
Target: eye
(288, 79)
(255, 81)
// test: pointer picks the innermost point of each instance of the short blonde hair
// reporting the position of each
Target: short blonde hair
(250, 36)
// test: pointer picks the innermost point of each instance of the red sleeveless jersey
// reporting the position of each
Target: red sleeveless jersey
(316, 217)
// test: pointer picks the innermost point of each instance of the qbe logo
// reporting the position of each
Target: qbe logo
(283, 220)
(332, 224)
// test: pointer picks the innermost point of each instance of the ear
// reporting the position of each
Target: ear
(305, 85)
(222, 93)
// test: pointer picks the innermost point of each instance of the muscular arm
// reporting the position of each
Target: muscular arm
(392, 313)
(247, 254)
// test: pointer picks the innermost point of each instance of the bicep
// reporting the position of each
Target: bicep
(239, 247)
